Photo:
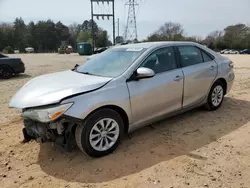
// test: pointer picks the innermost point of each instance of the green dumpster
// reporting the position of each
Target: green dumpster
(84, 48)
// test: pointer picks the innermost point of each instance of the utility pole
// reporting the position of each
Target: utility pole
(131, 27)
(118, 27)
(92, 28)
(103, 15)
(113, 5)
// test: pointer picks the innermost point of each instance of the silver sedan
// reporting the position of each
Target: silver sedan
(93, 105)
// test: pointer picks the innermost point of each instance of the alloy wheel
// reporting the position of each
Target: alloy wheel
(104, 134)
(217, 95)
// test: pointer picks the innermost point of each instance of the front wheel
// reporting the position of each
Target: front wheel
(101, 133)
(216, 96)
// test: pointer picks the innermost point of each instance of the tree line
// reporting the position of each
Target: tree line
(234, 36)
(48, 36)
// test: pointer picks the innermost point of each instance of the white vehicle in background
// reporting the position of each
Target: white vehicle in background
(227, 52)
(29, 50)
(231, 52)
(223, 51)
(234, 52)
(16, 51)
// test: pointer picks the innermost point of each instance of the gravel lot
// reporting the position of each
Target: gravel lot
(195, 149)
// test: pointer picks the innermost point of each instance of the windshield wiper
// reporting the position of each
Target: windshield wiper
(75, 67)
(88, 73)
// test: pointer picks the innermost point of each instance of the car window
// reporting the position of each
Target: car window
(206, 57)
(161, 60)
(190, 55)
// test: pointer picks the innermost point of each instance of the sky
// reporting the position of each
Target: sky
(198, 17)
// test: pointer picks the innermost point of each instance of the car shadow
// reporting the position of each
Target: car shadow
(148, 146)
(16, 77)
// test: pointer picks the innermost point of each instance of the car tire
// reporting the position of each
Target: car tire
(216, 96)
(6, 72)
(101, 133)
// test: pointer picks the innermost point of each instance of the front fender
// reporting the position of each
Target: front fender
(112, 94)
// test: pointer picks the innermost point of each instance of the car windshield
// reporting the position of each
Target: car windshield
(111, 63)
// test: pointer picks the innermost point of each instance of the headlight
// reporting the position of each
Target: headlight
(46, 114)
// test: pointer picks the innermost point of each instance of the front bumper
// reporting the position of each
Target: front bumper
(39, 131)
(60, 132)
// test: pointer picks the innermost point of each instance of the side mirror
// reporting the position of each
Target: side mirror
(144, 72)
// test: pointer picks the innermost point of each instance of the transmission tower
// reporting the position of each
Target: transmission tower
(131, 27)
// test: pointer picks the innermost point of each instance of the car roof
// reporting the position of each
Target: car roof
(153, 44)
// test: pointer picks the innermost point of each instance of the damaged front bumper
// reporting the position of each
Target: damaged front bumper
(60, 132)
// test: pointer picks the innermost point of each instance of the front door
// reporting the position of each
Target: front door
(161, 94)
(199, 70)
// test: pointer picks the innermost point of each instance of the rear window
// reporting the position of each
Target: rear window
(190, 55)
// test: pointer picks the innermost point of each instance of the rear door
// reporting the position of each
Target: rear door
(199, 70)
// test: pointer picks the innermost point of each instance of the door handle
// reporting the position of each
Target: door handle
(178, 78)
(212, 67)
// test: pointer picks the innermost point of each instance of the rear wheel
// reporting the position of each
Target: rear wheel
(101, 133)
(6, 72)
(216, 96)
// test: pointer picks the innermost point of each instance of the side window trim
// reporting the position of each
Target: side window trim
(178, 54)
(177, 57)
(208, 54)
(202, 55)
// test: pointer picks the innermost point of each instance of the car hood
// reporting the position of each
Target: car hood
(51, 88)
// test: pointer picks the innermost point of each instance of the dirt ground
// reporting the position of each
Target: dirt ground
(195, 149)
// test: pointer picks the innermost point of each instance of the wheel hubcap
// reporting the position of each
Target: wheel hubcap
(104, 134)
(217, 95)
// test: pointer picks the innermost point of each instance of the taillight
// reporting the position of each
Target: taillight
(231, 64)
